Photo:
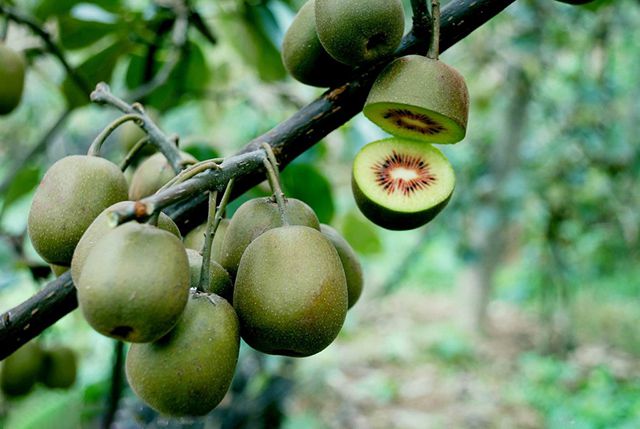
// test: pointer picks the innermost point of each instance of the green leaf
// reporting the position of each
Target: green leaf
(362, 236)
(201, 151)
(47, 8)
(26, 179)
(77, 34)
(305, 182)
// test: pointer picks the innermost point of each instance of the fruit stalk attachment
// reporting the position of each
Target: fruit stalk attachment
(96, 145)
(271, 165)
(434, 46)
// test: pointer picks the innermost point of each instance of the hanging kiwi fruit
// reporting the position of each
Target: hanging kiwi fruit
(21, 370)
(12, 70)
(350, 262)
(153, 173)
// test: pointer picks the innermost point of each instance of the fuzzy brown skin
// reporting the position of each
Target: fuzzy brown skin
(71, 195)
(59, 368)
(414, 80)
(195, 239)
(101, 226)
(152, 174)
(303, 55)
(220, 282)
(12, 69)
(188, 371)
(355, 32)
(254, 218)
(20, 370)
(350, 263)
(134, 283)
(291, 292)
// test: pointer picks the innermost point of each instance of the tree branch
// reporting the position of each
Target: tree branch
(288, 140)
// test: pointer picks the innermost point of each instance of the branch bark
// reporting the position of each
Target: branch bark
(288, 140)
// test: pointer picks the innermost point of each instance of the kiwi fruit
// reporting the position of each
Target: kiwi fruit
(134, 283)
(359, 31)
(131, 133)
(350, 262)
(195, 239)
(290, 292)
(303, 55)
(188, 371)
(20, 370)
(420, 98)
(152, 174)
(12, 69)
(59, 368)
(220, 282)
(100, 226)
(72, 193)
(58, 270)
(401, 184)
(253, 218)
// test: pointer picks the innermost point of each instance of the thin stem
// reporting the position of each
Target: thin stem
(192, 171)
(128, 159)
(205, 269)
(96, 145)
(277, 190)
(116, 385)
(434, 47)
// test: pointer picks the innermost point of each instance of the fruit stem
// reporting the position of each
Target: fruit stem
(94, 149)
(213, 221)
(271, 165)
(434, 46)
(193, 170)
(128, 159)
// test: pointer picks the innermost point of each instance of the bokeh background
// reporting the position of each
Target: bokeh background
(517, 307)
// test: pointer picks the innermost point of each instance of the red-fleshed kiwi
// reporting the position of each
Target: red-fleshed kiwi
(195, 239)
(12, 68)
(188, 371)
(253, 218)
(21, 370)
(359, 31)
(303, 55)
(134, 283)
(71, 195)
(401, 184)
(290, 292)
(220, 282)
(420, 98)
(101, 226)
(350, 262)
(59, 368)
(152, 174)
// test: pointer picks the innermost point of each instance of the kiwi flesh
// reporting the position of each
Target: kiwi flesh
(303, 55)
(359, 31)
(12, 69)
(350, 262)
(401, 184)
(20, 370)
(134, 283)
(59, 368)
(420, 98)
(188, 371)
(71, 195)
(100, 226)
(152, 174)
(220, 282)
(195, 239)
(291, 292)
(253, 218)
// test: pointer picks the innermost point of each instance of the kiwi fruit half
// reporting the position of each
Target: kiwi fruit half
(134, 283)
(303, 55)
(350, 262)
(220, 282)
(152, 174)
(12, 67)
(291, 292)
(71, 195)
(188, 371)
(359, 31)
(401, 184)
(420, 98)
(59, 368)
(20, 370)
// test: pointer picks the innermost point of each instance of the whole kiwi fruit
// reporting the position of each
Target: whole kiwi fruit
(290, 292)
(303, 55)
(59, 368)
(20, 370)
(72, 193)
(188, 371)
(152, 174)
(359, 31)
(220, 282)
(195, 239)
(101, 226)
(401, 184)
(420, 98)
(134, 283)
(12, 69)
(350, 262)
(58, 270)
(253, 218)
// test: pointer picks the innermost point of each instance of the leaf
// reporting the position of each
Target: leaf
(77, 34)
(305, 182)
(201, 151)
(48, 8)
(26, 179)
(362, 236)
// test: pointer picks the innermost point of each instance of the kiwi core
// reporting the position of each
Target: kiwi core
(403, 173)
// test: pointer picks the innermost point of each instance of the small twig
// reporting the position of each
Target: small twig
(422, 25)
(102, 95)
(434, 46)
(135, 150)
(274, 182)
(193, 170)
(116, 385)
(96, 145)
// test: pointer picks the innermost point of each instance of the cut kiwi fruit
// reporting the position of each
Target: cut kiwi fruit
(401, 184)
(420, 98)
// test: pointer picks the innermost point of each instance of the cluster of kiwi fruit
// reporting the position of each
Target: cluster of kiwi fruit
(54, 367)
(12, 70)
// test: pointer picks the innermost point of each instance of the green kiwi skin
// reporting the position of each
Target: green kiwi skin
(71, 195)
(350, 262)
(21, 370)
(153, 173)
(347, 29)
(220, 282)
(303, 55)
(195, 239)
(12, 70)
(429, 84)
(59, 369)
